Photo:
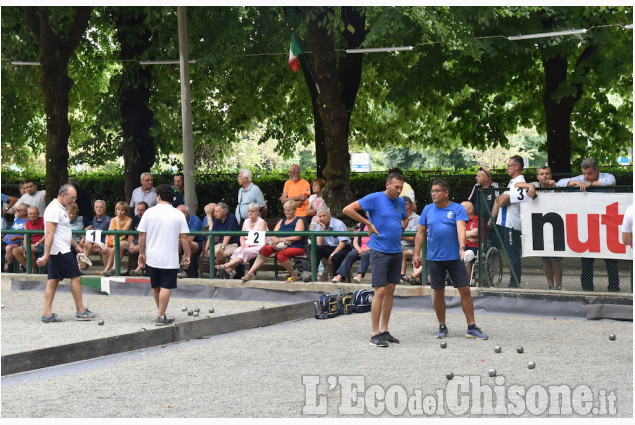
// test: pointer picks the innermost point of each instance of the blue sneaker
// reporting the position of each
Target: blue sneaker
(51, 319)
(443, 332)
(86, 315)
(475, 333)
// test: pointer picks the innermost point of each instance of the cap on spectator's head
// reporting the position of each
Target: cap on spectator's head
(407, 200)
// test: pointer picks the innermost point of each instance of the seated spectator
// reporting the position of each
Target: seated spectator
(224, 220)
(361, 252)
(408, 242)
(282, 247)
(78, 222)
(101, 221)
(471, 237)
(35, 222)
(14, 240)
(196, 242)
(296, 189)
(121, 221)
(315, 201)
(246, 252)
(7, 204)
(133, 241)
(333, 248)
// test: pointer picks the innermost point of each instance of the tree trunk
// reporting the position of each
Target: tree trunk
(139, 150)
(558, 112)
(55, 53)
(557, 115)
(339, 82)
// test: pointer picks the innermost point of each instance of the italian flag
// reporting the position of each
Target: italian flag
(294, 52)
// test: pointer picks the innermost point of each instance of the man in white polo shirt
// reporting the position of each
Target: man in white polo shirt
(58, 257)
(160, 230)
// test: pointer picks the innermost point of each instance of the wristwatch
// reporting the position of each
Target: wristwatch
(223, 248)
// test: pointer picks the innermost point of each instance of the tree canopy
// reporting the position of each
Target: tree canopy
(463, 84)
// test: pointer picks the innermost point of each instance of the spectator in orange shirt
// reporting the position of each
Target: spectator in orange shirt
(296, 189)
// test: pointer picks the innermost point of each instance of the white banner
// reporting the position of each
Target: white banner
(585, 224)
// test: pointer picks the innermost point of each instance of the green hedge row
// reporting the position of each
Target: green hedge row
(224, 187)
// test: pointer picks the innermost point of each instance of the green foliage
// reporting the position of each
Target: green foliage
(109, 186)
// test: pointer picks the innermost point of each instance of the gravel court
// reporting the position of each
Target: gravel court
(121, 315)
(258, 372)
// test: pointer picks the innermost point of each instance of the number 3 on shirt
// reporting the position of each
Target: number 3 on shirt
(519, 195)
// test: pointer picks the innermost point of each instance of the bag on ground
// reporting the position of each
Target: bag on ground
(345, 303)
(326, 307)
(362, 300)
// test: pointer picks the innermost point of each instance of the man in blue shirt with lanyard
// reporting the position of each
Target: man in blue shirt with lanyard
(387, 219)
(444, 221)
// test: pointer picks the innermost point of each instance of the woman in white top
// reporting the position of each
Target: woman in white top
(245, 252)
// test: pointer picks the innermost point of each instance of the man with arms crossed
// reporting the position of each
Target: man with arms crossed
(58, 257)
(387, 212)
(444, 221)
(160, 230)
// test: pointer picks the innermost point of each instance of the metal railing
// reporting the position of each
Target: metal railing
(313, 235)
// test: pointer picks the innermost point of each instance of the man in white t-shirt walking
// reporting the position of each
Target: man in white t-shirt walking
(160, 230)
(57, 256)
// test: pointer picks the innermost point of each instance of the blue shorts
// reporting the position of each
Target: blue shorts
(456, 269)
(164, 278)
(386, 268)
(63, 266)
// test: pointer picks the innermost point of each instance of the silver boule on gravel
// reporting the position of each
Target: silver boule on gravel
(195, 314)
(612, 337)
(197, 310)
(492, 372)
(443, 344)
(190, 312)
(183, 308)
(531, 365)
(262, 307)
(449, 376)
(498, 349)
(211, 310)
(520, 349)
(100, 322)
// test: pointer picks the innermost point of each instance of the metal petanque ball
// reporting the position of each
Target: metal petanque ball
(262, 307)
(100, 323)
(443, 344)
(197, 310)
(449, 376)
(498, 349)
(531, 365)
(492, 372)
(612, 337)
(211, 310)
(183, 308)
(195, 314)
(190, 312)
(520, 349)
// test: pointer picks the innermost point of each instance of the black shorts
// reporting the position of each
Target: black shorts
(164, 278)
(386, 267)
(63, 266)
(456, 269)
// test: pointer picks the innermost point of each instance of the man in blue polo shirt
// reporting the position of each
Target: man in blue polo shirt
(387, 219)
(444, 222)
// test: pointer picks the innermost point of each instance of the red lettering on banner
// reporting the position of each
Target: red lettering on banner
(592, 243)
(612, 220)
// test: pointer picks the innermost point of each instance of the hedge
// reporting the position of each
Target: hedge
(224, 187)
